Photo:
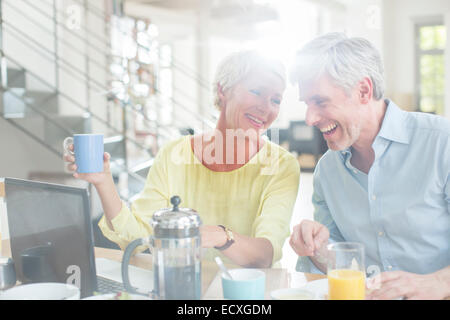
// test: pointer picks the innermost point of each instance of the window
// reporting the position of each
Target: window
(430, 45)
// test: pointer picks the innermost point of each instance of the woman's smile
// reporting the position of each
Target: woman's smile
(255, 121)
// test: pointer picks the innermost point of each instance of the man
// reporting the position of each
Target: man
(385, 180)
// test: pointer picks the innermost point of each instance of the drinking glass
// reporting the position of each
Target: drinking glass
(346, 275)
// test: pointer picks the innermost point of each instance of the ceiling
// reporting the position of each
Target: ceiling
(240, 11)
(197, 4)
(171, 4)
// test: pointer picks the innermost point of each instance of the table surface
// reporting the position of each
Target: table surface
(276, 278)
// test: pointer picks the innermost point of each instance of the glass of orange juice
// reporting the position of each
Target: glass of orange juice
(346, 275)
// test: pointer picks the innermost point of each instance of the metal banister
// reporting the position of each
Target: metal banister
(69, 132)
(88, 78)
(75, 103)
(63, 41)
(184, 68)
(62, 24)
(179, 66)
(83, 76)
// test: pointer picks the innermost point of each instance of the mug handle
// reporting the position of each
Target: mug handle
(67, 141)
(126, 261)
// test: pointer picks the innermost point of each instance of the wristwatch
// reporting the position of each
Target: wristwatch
(230, 238)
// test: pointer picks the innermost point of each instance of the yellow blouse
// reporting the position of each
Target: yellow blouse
(255, 200)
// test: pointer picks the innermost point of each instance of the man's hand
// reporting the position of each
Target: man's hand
(400, 284)
(308, 236)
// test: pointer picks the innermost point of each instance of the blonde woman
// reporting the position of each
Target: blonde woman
(243, 186)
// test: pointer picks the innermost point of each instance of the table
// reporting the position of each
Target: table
(276, 278)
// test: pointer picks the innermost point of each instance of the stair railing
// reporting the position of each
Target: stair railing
(83, 76)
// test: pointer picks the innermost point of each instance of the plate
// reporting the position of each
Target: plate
(42, 291)
(319, 287)
(110, 296)
(292, 294)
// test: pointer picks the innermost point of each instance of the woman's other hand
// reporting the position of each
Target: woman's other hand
(95, 178)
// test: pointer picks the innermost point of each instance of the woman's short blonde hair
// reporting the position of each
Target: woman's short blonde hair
(238, 65)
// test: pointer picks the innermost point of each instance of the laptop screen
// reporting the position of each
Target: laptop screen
(51, 233)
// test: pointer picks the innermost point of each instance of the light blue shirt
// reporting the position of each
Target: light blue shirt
(400, 210)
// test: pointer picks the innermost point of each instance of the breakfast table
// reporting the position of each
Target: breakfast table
(276, 278)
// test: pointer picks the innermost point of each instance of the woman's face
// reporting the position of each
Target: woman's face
(254, 102)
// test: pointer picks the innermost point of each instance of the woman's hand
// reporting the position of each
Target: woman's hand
(245, 251)
(95, 178)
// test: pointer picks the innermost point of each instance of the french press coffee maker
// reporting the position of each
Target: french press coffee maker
(176, 248)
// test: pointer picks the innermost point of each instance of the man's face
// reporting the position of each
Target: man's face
(335, 112)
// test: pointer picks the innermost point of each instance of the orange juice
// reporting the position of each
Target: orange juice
(346, 284)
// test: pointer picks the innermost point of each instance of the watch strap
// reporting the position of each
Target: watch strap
(230, 240)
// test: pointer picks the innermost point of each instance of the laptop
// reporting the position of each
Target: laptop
(51, 238)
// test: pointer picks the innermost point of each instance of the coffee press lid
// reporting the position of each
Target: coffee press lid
(167, 220)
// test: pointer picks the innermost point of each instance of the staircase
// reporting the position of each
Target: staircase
(44, 111)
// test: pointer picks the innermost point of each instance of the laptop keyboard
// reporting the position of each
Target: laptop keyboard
(105, 285)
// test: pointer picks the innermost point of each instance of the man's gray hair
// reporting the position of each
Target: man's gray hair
(346, 60)
(236, 66)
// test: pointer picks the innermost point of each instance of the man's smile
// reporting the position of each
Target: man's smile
(329, 130)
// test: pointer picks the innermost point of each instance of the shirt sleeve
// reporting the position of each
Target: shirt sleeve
(322, 215)
(447, 192)
(134, 223)
(277, 205)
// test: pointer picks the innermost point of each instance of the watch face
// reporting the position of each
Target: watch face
(230, 238)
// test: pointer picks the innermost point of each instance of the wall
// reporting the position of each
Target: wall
(363, 18)
(399, 49)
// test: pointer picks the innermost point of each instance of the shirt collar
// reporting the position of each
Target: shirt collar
(394, 124)
(393, 127)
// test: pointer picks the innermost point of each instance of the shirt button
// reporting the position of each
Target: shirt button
(381, 233)
(374, 197)
(390, 267)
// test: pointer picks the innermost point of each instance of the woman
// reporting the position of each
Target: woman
(243, 186)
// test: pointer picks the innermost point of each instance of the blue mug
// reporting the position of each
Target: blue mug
(88, 151)
(246, 284)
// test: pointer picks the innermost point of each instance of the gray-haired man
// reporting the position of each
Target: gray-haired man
(385, 182)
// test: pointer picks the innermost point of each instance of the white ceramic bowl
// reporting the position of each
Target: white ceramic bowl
(110, 296)
(42, 291)
(292, 294)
